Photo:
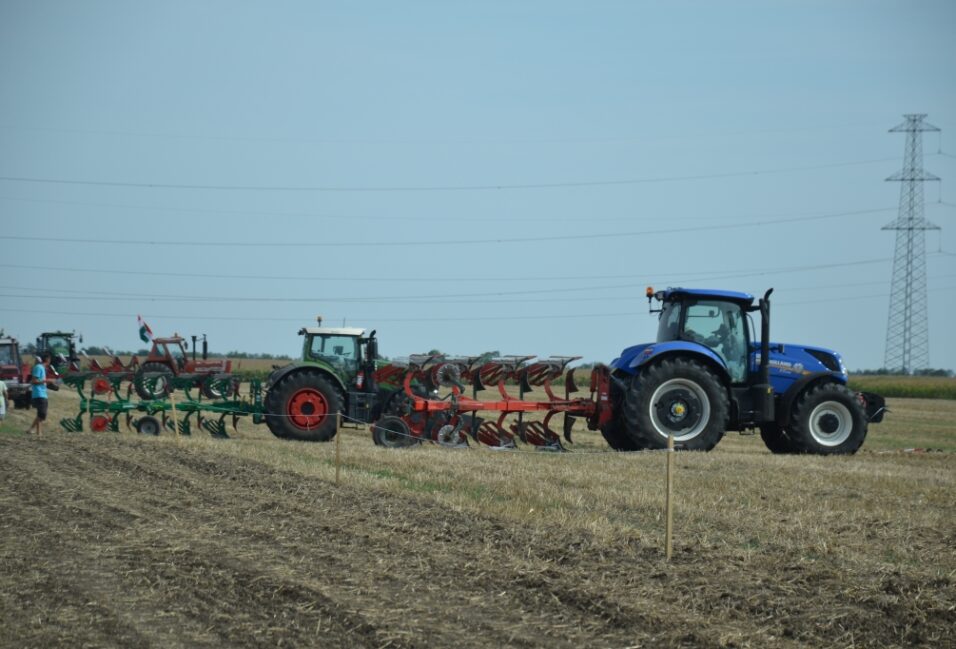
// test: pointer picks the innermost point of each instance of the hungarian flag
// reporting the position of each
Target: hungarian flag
(145, 333)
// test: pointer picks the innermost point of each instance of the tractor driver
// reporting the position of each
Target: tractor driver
(717, 326)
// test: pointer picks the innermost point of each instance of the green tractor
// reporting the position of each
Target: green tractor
(336, 374)
(62, 348)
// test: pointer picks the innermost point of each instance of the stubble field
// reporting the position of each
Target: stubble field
(114, 539)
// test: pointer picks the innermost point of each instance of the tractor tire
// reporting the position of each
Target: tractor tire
(827, 419)
(157, 388)
(776, 439)
(217, 387)
(616, 438)
(392, 432)
(303, 406)
(678, 397)
(613, 432)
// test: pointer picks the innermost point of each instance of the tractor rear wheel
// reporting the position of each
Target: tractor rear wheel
(828, 419)
(617, 438)
(613, 432)
(303, 406)
(680, 398)
(776, 439)
(154, 387)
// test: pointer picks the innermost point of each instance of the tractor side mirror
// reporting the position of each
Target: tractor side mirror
(372, 349)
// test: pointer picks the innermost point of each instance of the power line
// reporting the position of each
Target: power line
(701, 275)
(379, 217)
(193, 316)
(316, 299)
(419, 140)
(441, 299)
(573, 316)
(443, 188)
(367, 244)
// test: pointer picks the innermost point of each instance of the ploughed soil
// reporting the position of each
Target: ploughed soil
(117, 542)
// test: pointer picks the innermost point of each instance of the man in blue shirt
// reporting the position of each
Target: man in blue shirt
(39, 382)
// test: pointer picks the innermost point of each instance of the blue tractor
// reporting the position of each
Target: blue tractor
(708, 373)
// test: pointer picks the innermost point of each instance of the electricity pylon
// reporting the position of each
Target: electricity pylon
(907, 331)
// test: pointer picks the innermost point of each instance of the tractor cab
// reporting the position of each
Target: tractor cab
(170, 352)
(338, 347)
(345, 350)
(62, 348)
(715, 319)
(14, 372)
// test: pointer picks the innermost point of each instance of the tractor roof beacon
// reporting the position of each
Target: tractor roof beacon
(335, 374)
(707, 373)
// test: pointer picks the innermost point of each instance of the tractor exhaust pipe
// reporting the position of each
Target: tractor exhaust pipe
(765, 337)
(762, 391)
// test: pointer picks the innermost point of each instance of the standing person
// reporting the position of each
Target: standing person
(3, 399)
(39, 382)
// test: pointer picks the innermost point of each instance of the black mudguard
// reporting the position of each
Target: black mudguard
(874, 405)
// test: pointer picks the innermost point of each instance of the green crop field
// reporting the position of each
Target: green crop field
(922, 387)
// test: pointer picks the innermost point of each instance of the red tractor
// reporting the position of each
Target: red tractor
(14, 372)
(168, 358)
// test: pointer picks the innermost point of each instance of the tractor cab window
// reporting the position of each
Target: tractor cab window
(719, 325)
(177, 353)
(6, 355)
(338, 350)
(669, 327)
(58, 345)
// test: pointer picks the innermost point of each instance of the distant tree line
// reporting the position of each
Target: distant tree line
(93, 350)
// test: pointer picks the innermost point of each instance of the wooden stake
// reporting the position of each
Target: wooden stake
(338, 434)
(669, 505)
(172, 401)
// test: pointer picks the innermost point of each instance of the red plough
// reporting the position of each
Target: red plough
(450, 420)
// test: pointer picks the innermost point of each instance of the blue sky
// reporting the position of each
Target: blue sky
(465, 176)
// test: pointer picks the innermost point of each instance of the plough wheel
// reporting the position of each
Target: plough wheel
(392, 432)
(148, 426)
(303, 406)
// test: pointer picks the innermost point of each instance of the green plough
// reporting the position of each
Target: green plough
(105, 405)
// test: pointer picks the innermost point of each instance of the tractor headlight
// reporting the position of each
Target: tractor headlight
(830, 361)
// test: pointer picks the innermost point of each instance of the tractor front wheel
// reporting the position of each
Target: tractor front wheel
(828, 419)
(681, 398)
(303, 406)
